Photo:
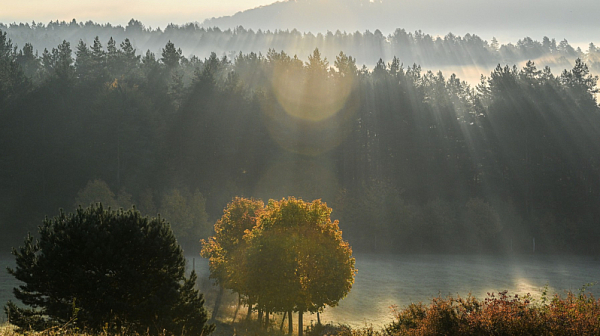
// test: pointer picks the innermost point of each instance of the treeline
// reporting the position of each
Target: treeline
(367, 47)
(410, 161)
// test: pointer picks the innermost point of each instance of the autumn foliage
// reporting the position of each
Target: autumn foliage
(287, 256)
(500, 314)
(225, 250)
(310, 266)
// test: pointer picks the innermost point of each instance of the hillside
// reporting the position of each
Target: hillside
(533, 18)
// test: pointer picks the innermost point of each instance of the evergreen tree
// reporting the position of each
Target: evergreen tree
(171, 56)
(29, 61)
(13, 82)
(106, 270)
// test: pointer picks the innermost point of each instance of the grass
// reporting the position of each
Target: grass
(498, 314)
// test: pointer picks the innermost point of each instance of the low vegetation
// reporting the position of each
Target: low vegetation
(501, 314)
(498, 314)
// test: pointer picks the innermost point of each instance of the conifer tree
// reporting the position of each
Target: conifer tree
(100, 269)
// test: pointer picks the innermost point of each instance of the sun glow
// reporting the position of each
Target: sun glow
(312, 100)
(306, 115)
(154, 13)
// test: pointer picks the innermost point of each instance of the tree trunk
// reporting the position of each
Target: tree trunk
(318, 318)
(237, 308)
(282, 321)
(267, 319)
(249, 315)
(300, 323)
(260, 316)
(217, 303)
(290, 323)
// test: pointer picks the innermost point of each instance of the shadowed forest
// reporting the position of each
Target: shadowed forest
(410, 161)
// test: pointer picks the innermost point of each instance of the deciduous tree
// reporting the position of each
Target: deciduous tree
(226, 249)
(297, 258)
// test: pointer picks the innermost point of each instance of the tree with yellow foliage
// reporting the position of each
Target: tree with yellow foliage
(286, 256)
(297, 259)
(226, 249)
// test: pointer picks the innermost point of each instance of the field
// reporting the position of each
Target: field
(384, 281)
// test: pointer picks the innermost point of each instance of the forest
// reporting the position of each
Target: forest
(425, 49)
(410, 161)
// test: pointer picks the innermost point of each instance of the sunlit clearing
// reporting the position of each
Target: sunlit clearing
(525, 286)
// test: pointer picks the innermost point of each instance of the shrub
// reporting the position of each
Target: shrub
(106, 270)
(327, 330)
(500, 314)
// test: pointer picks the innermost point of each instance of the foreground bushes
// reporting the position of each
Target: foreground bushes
(500, 315)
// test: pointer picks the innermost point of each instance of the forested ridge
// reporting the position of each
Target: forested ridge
(410, 161)
(427, 50)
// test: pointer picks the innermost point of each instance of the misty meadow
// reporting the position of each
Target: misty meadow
(328, 179)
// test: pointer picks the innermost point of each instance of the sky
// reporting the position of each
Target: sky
(153, 13)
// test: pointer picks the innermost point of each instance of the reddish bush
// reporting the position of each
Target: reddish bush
(500, 315)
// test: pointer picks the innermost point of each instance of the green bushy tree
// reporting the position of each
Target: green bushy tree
(96, 191)
(100, 269)
(187, 213)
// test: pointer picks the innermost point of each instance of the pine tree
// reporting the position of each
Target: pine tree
(171, 56)
(102, 269)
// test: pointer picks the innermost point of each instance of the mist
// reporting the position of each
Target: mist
(468, 56)
(455, 142)
(507, 21)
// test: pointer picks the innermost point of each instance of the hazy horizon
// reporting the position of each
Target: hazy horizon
(153, 13)
(509, 22)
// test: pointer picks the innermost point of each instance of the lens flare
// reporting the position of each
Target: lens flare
(310, 97)
(307, 114)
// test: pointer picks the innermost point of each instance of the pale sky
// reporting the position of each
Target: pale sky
(154, 13)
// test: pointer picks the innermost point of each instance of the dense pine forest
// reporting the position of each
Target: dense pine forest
(411, 161)
(366, 47)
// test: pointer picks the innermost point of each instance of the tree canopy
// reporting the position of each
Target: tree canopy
(310, 266)
(100, 269)
(288, 256)
(522, 140)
